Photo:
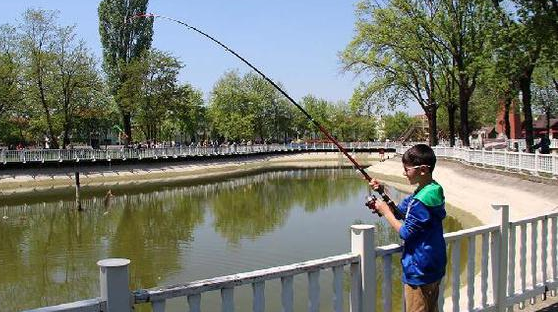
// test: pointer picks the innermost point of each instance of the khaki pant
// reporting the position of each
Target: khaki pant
(423, 298)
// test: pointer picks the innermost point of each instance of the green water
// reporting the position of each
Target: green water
(175, 234)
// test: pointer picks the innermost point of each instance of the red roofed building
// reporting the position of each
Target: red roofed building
(515, 122)
(540, 127)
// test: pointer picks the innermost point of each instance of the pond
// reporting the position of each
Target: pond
(179, 233)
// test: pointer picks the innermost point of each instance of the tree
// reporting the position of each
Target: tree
(10, 67)
(188, 112)
(230, 110)
(75, 76)
(396, 124)
(390, 44)
(321, 110)
(522, 40)
(461, 32)
(248, 107)
(157, 89)
(545, 94)
(124, 39)
(38, 33)
(59, 75)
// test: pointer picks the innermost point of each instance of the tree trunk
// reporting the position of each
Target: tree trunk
(66, 139)
(127, 120)
(432, 126)
(451, 121)
(525, 87)
(547, 112)
(464, 95)
(48, 116)
(507, 106)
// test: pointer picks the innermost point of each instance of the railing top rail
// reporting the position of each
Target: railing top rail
(470, 232)
(388, 249)
(533, 219)
(89, 305)
(229, 281)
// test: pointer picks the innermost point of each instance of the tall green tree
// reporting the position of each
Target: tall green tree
(124, 39)
(10, 67)
(158, 87)
(38, 34)
(461, 31)
(77, 80)
(522, 40)
(391, 44)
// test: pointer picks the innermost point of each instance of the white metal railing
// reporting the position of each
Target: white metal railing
(489, 267)
(518, 161)
(521, 145)
(76, 155)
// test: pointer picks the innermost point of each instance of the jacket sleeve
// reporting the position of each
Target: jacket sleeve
(402, 207)
(416, 222)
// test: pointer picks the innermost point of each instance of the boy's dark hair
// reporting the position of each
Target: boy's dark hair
(420, 154)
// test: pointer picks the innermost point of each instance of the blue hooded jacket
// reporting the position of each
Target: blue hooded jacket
(424, 252)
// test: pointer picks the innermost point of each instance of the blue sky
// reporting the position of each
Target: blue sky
(294, 42)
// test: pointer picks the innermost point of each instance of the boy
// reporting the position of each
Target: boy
(424, 251)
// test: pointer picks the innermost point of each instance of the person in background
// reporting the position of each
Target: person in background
(544, 144)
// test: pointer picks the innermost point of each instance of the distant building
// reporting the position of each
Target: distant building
(515, 121)
(540, 127)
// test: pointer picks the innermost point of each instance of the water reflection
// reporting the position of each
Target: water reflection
(176, 234)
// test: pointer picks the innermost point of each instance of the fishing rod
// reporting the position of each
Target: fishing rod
(359, 168)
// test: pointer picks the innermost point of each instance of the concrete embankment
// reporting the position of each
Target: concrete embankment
(21, 181)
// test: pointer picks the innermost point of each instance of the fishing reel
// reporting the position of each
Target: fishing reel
(371, 204)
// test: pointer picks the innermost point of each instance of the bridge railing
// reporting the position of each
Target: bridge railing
(83, 154)
(505, 160)
(505, 264)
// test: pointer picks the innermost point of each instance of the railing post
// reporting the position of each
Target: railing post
(506, 160)
(501, 272)
(537, 165)
(554, 166)
(114, 284)
(363, 243)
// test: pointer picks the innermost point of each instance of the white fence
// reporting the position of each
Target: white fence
(504, 265)
(521, 145)
(76, 155)
(534, 163)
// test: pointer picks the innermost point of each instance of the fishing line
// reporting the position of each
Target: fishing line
(359, 168)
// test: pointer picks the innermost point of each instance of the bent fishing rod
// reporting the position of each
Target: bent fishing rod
(359, 168)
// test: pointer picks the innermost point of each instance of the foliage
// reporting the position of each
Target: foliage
(395, 125)
(247, 108)
(545, 93)
(10, 66)
(124, 38)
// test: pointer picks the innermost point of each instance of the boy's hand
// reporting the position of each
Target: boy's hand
(381, 207)
(378, 206)
(375, 185)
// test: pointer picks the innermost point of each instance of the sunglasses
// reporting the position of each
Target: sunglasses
(414, 167)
